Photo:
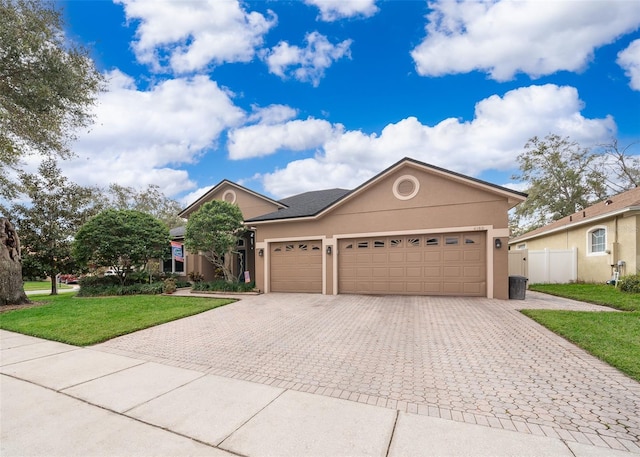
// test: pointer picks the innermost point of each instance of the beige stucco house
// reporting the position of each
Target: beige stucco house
(413, 229)
(606, 237)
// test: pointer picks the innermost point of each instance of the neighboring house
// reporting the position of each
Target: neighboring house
(413, 229)
(606, 237)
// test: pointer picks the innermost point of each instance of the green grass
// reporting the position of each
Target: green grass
(610, 336)
(84, 321)
(42, 285)
(599, 294)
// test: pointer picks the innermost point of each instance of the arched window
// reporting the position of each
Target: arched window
(597, 240)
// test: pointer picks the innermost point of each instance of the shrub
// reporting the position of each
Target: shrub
(196, 276)
(103, 290)
(169, 286)
(630, 283)
(223, 286)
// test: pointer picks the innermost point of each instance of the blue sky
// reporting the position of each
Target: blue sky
(289, 96)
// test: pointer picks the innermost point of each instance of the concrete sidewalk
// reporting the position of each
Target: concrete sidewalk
(57, 399)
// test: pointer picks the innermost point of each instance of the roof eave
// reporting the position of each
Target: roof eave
(570, 225)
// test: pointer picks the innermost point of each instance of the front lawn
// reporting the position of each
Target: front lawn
(612, 337)
(85, 321)
(599, 294)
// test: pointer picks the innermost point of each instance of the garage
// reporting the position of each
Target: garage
(296, 266)
(424, 264)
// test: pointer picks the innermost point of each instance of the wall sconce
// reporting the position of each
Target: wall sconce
(498, 243)
(329, 250)
(260, 252)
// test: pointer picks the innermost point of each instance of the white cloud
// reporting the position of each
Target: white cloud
(139, 134)
(306, 64)
(191, 35)
(272, 114)
(491, 140)
(332, 10)
(505, 37)
(191, 197)
(264, 139)
(629, 60)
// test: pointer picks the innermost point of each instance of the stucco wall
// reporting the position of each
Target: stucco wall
(440, 204)
(623, 242)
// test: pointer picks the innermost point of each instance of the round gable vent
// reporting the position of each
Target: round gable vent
(406, 187)
(229, 196)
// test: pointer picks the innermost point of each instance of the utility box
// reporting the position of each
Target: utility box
(517, 287)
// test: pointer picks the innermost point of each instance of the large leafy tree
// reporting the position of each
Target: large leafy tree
(123, 240)
(214, 230)
(47, 85)
(149, 200)
(53, 210)
(47, 88)
(562, 178)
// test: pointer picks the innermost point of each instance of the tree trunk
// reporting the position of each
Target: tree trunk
(11, 285)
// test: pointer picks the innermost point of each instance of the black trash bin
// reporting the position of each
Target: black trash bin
(517, 287)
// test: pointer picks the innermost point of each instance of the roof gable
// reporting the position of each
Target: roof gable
(514, 197)
(210, 195)
(626, 201)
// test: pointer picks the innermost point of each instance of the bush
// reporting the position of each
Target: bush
(630, 283)
(169, 286)
(104, 290)
(223, 286)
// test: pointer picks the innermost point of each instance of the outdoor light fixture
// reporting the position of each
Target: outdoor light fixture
(329, 250)
(498, 243)
(260, 252)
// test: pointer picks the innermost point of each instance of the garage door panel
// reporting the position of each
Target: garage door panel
(440, 264)
(380, 257)
(453, 255)
(413, 256)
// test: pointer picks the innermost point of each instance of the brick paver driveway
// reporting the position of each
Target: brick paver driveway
(472, 360)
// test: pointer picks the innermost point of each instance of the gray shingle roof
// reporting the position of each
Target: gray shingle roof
(302, 205)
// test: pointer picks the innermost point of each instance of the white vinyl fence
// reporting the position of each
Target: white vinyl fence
(548, 266)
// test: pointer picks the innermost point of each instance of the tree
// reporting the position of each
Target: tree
(53, 211)
(562, 178)
(47, 88)
(11, 287)
(625, 168)
(214, 231)
(123, 240)
(150, 200)
(47, 85)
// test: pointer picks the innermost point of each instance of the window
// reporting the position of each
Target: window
(176, 263)
(363, 244)
(302, 247)
(349, 246)
(433, 241)
(413, 242)
(315, 247)
(395, 243)
(288, 248)
(521, 246)
(469, 241)
(597, 240)
(451, 240)
(378, 244)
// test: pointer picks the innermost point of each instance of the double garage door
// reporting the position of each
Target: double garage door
(438, 264)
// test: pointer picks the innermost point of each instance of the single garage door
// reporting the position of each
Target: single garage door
(296, 266)
(438, 264)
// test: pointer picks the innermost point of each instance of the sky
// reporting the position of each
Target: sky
(285, 97)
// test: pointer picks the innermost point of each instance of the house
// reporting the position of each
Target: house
(413, 229)
(605, 236)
